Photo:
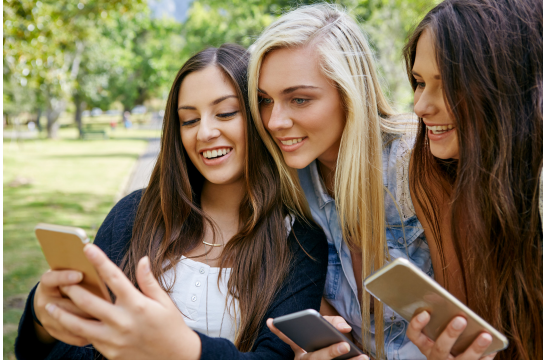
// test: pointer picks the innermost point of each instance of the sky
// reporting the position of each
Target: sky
(171, 8)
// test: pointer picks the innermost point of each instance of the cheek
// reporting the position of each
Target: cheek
(265, 114)
(188, 140)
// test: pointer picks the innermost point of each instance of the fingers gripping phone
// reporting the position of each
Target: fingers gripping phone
(63, 249)
(311, 332)
(408, 291)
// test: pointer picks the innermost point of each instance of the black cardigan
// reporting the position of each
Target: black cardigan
(301, 290)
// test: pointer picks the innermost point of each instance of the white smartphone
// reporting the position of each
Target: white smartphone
(63, 250)
(311, 332)
(408, 291)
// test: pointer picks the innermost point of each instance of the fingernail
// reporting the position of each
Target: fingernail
(75, 277)
(458, 323)
(345, 326)
(50, 308)
(90, 251)
(343, 348)
(422, 316)
(484, 340)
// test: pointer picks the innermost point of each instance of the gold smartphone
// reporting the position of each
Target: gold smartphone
(408, 291)
(63, 250)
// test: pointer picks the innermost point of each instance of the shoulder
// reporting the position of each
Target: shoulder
(116, 230)
(397, 152)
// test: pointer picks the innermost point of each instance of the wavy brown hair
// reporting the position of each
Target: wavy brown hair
(170, 222)
(490, 58)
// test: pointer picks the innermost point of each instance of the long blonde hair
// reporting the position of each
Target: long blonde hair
(347, 60)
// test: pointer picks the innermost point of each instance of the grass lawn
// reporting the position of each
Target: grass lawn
(66, 182)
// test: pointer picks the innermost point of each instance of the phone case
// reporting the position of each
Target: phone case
(408, 291)
(311, 332)
(63, 249)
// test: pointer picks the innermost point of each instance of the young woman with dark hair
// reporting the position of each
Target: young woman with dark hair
(476, 69)
(209, 243)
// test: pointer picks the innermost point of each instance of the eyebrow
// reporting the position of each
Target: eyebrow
(437, 77)
(215, 102)
(291, 89)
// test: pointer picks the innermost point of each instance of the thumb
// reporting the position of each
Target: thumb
(148, 284)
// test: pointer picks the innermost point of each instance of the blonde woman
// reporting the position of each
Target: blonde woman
(319, 108)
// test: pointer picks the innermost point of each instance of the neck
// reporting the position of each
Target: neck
(327, 171)
(222, 203)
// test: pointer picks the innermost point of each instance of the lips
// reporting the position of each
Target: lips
(216, 156)
(441, 134)
(291, 144)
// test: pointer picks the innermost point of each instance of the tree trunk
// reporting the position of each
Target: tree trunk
(54, 110)
(77, 118)
(38, 125)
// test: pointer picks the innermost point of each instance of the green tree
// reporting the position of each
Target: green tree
(45, 42)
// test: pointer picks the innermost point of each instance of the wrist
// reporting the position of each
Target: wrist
(41, 333)
(194, 350)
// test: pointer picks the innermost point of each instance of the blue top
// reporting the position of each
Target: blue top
(301, 290)
(405, 237)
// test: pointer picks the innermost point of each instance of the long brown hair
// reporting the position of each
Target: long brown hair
(170, 222)
(490, 58)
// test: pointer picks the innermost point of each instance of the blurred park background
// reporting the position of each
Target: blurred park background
(84, 88)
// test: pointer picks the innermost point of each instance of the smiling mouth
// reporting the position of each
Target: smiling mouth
(440, 129)
(292, 141)
(217, 153)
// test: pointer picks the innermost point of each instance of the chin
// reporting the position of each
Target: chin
(442, 153)
(297, 162)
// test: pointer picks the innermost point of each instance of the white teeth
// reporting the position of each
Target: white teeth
(439, 129)
(292, 141)
(210, 154)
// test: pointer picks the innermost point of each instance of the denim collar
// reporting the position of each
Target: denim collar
(319, 188)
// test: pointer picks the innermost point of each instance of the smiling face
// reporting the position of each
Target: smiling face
(212, 127)
(300, 107)
(429, 101)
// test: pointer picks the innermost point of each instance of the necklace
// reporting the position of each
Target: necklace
(214, 245)
(206, 309)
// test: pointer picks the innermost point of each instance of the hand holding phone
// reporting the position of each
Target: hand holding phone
(311, 336)
(63, 250)
(409, 291)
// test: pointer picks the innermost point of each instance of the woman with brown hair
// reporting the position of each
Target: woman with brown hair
(209, 243)
(476, 70)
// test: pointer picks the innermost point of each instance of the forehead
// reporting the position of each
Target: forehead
(283, 68)
(204, 86)
(425, 60)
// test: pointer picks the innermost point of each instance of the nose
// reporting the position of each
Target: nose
(425, 104)
(279, 119)
(208, 129)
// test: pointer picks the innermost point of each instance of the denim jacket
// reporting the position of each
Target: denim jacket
(405, 237)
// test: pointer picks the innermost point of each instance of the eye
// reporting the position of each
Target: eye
(264, 101)
(227, 115)
(420, 85)
(300, 101)
(190, 122)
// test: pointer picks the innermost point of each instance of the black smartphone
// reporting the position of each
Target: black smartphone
(310, 331)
